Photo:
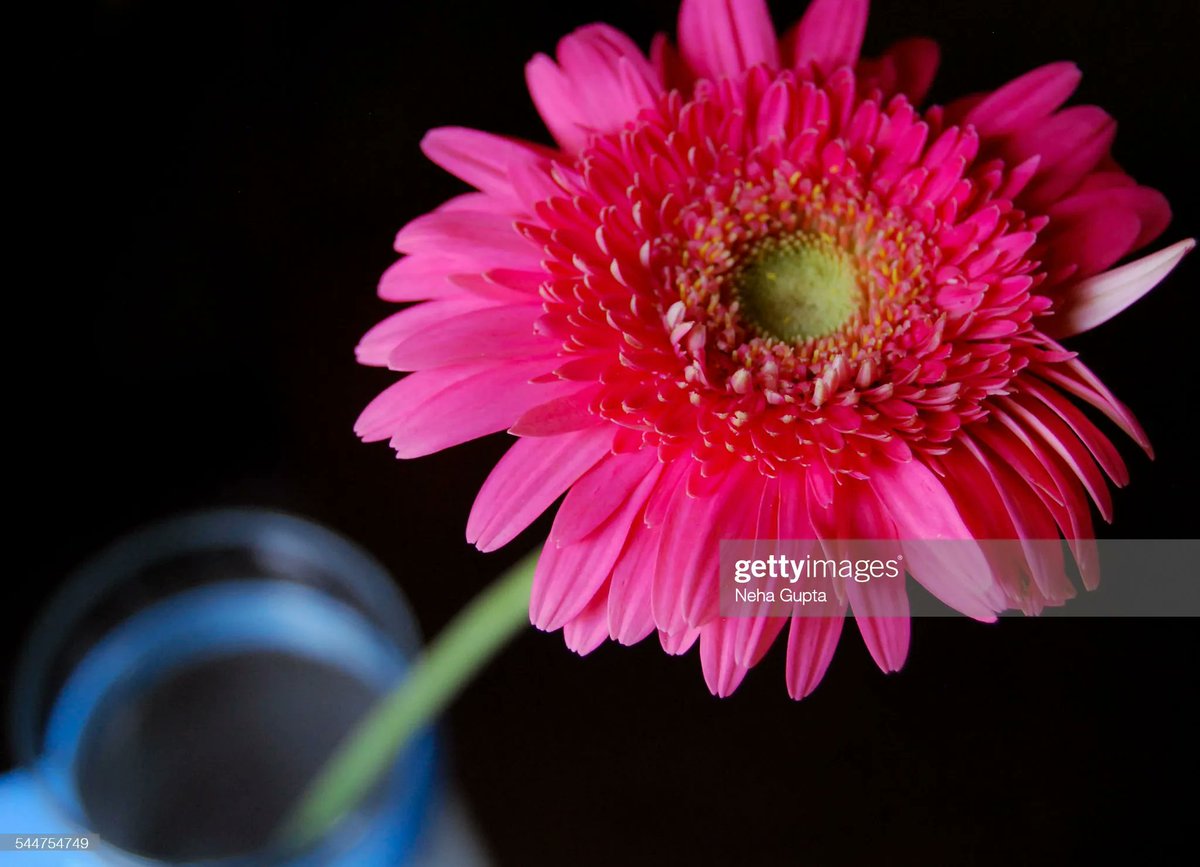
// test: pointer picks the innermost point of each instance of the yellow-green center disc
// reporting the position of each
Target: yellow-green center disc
(797, 288)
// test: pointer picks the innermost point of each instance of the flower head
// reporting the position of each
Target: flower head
(758, 292)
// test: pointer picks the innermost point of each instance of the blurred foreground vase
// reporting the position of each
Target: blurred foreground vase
(188, 683)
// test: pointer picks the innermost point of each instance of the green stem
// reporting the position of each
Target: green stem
(462, 649)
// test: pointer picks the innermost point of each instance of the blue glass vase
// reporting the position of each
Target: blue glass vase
(185, 686)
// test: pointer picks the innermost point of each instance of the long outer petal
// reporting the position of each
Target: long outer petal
(721, 38)
(1025, 100)
(528, 479)
(830, 34)
(1097, 299)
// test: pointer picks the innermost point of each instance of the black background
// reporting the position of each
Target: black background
(216, 189)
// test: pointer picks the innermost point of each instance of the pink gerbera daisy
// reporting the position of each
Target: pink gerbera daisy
(756, 292)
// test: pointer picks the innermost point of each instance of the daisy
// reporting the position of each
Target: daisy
(757, 290)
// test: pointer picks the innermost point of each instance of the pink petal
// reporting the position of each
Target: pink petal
(534, 182)
(917, 502)
(753, 635)
(481, 159)
(567, 578)
(916, 63)
(1070, 144)
(671, 69)
(1101, 447)
(553, 97)
(658, 506)
(1090, 242)
(476, 285)
(434, 409)
(810, 647)
(491, 332)
(880, 607)
(1070, 508)
(722, 38)
(881, 612)
(377, 344)
(1028, 520)
(685, 582)
(389, 408)
(528, 479)
(479, 240)
(563, 414)
(1097, 299)
(417, 278)
(1149, 206)
(774, 112)
(678, 643)
(1051, 431)
(630, 616)
(1078, 380)
(1025, 100)
(723, 672)
(601, 82)
(830, 34)
(587, 630)
(794, 523)
(924, 511)
(600, 492)
(476, 201)
(522, 282)
(1011, 452)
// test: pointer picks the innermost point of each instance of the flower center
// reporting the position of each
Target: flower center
(797, 287)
